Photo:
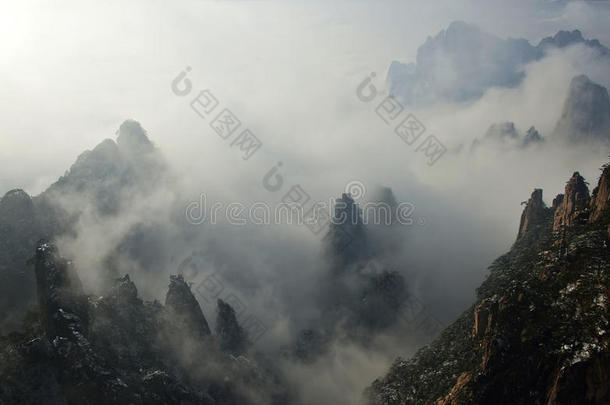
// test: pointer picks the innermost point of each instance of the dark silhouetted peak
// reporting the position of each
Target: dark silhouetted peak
(132, 138)
(574, 207)
(104, 173)
(557, 201)
(124, 290)
(231, 336)
(346, 240)
(586, 112)
(502, 131)
(183, 309)
(563, 38)
(532, 136)
(16, 196)
(59, 292)
(566, 38)
(600, 201)
(533, 215)
(16, 206)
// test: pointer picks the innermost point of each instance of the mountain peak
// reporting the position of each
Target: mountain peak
(563, 39)
(184, 310)
(574, 206)
(132, 138)
(232, 337)
(600, 200)
(532, 136)
(586, 111)
(533, 215)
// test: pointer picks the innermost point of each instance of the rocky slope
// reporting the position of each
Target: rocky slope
(538, 332)
(115, 348)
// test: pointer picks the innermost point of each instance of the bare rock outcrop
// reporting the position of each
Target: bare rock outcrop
(574, 206)
(533, 215)
(600, 201)
(184, 310)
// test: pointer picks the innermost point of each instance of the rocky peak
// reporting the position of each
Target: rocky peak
(183, 309)
(59, 292)
(346, 240)
(533, 215)
(600, 201)
(566, 38)
(16, 196)
(15, 205)
(557, 202)
(562, 39)
(124, 290)
(586, 112)
(132, 138)
(231, 336)
(574, 207)
(532, 136)
(538, 331)
(501, 131)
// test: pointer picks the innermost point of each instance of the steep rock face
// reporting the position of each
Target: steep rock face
(586, 112)
(539, 331)
(574, 206)
(346, 240)
(231, 336)
(184, 310)
(534, 214)
(600, 201)
(20, 229)
(64, 316)
(359, 294)
(60, 295)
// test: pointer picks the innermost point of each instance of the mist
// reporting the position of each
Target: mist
(289, 70)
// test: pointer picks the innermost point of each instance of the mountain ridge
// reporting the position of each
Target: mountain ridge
(538, 331)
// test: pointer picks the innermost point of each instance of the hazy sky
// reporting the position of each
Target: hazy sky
(70, 73)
